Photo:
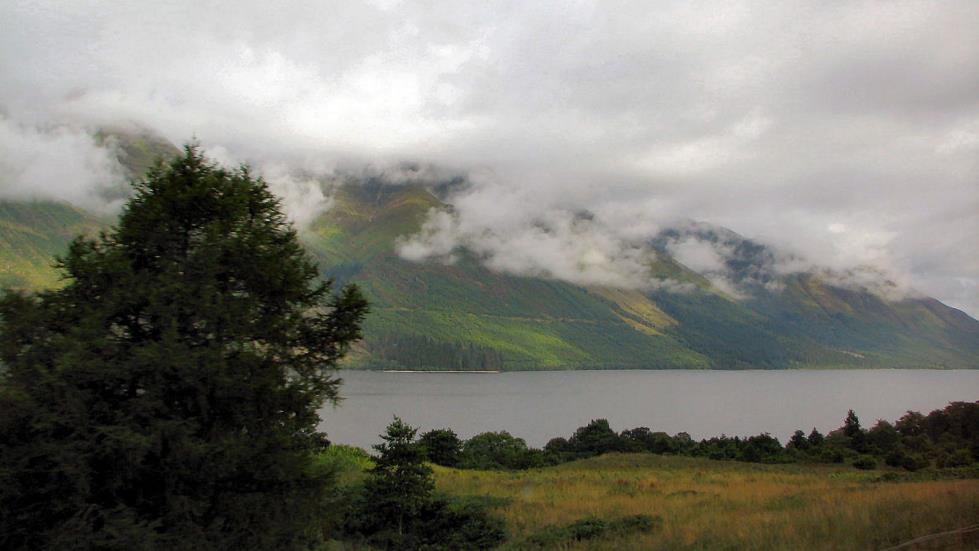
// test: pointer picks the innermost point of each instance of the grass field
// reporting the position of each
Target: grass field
(704, 504)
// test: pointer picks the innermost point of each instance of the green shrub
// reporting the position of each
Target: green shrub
(958, 458)
(588, 529)
(459, 524)
(865, 463)
(831, 455)
(914, 462)
(499, 450)
(442, 447)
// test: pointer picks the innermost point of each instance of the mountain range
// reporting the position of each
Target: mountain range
(461, 315)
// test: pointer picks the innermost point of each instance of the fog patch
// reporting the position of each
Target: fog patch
(572, 247)
(58, 163)
(305, 193)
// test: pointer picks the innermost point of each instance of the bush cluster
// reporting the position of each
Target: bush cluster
(588, 529)
(944, 438)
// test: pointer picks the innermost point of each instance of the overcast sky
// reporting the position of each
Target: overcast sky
(846, 132)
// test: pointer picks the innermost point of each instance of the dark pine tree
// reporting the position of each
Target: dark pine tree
(166, 397)
(815, 438)
(400, 484)
(398, 509)
(854, 432)
(851, 425)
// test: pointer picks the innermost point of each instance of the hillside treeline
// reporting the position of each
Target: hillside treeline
(944, 438)
(401, 351)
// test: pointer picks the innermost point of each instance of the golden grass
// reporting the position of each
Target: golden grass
(724, 505)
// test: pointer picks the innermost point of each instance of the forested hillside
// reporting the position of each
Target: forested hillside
(462, 316)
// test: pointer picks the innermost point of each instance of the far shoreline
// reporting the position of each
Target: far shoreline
(697, 370)
(483, 372)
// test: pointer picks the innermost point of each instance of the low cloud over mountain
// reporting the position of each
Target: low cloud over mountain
(844, 134)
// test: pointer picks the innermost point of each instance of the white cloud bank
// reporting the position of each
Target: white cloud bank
(848, 132)
(56, 161)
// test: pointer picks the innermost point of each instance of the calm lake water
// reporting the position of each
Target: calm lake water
(538, 406)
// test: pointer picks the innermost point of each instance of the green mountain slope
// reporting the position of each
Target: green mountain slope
(463, 316)
(812, 323)
(32, 234)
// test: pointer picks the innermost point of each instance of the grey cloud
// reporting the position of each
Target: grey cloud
(571, 246)
(846, 133)
(57, 163)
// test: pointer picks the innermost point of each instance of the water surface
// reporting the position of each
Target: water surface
(538, 406)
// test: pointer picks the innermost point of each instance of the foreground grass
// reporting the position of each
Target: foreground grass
(707, 504)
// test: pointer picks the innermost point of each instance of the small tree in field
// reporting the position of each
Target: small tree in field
(166, 397)
(398, 508)
(400, 483)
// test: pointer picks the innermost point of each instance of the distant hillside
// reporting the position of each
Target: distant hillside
(464, 316)
(32, 234)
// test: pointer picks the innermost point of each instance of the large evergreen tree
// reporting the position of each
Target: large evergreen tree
(166, 397)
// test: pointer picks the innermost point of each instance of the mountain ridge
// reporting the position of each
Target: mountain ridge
(461, 315)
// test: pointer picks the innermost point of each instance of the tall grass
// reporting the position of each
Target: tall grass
(720, 505)
(349, 463)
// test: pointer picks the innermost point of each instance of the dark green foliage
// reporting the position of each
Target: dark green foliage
(914, 462)
(958, 458)
(427, 353)
(799, 441)
(896, 457)
(851, 425)
(643, 439)
(855, 435)
(499, 450)
(865, 463)
(442, 447)
(911, 424)
(595, 438)
(830, 454)
(166, 397)
(762, 448)
(461, 524)
(558, 445)
(815, 438)
(882, 438)
(396, 508)
(589, 529)
(947, 438)
(399, 484)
